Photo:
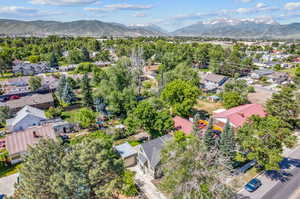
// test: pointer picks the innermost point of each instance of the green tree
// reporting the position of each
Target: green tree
(227, 144)
(263, 139)
(183, 72)
(88, 169)
(129, 188)
(53, 112)
(34, 59)
(75, 57)
(61, 85)
(190, 171)
(4, 115)
(53, 62)
(39, 165)
(284, 106)
(86, 117)
(210, 139)
(86, 90)
(85, 54)
(147, 117)
(233, 99)
(35, 83)
(68, 96)
(181, 96)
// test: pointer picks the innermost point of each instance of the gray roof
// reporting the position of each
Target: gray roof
(24, 112)
(152, 149)
(214, 78)
(263, 72)
(125, 150)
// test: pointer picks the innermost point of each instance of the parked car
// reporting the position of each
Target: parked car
(14, 97)
(253, 185)
(2, 196)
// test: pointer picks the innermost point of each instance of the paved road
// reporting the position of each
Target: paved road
(280, 185)
(286, 190)
(7, 184)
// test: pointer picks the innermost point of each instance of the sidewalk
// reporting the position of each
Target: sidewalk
(146, 185)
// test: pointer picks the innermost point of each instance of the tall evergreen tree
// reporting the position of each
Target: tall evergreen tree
(209, 136)
(68, 95)
(86, 90)
(86, 54)
(61, 85)
(227, 143)
(53, 61)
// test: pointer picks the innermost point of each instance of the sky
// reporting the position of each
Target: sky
(168, 14)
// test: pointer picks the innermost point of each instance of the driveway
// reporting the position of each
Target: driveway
(145, 184)
(7, 184)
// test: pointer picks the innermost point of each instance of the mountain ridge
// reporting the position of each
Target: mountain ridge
(229, 28)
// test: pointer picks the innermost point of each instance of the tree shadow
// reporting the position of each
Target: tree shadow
(282, 175)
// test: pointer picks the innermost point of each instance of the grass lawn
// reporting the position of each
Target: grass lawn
(208, 106)
(6, 76)
(69, 116)
(10, 170)
(290, 71)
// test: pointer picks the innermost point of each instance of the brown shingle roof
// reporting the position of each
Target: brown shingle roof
(30, 100)
(18, 142)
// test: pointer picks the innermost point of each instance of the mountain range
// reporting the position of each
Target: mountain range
(230, 28)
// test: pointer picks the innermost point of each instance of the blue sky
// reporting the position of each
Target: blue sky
(169, 14)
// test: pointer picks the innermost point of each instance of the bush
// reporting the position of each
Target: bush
(129, 188)
(85, 67)
(53, 112)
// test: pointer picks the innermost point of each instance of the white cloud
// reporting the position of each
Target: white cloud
(17, 10)
(292, 6)
(139, 14)
(63, 2)
(114, 7)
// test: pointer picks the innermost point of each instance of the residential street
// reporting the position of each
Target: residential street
(284, 184)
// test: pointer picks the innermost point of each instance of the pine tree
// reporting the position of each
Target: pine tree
(209, 138)
(227, 143)
(86, 55)
(86, 90)
(61, 85)
(53, 61)
(68, 95)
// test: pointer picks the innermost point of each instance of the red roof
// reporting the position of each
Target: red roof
(183, 125)
(239, 115)
(297, 59)
(18, 142)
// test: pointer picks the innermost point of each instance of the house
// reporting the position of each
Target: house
(27, 68)
(149, 156)
(127, 153)
(17, 143)
(26, 117)
(261, 73)
(238, 116)
(182, 124)
(151, 71)
(278, 77)
(41, 101)
(212, 82)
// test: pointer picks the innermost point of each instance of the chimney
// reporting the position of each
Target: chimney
(35, 134)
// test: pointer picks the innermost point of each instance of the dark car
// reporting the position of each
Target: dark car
(2, 196)
(253, 185)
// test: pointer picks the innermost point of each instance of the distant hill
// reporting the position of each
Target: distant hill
(230, 28)
(233, 28)
(75, 28)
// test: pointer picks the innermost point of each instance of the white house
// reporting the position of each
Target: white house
(26, 117)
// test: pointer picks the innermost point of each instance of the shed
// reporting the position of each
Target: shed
(128, 154)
